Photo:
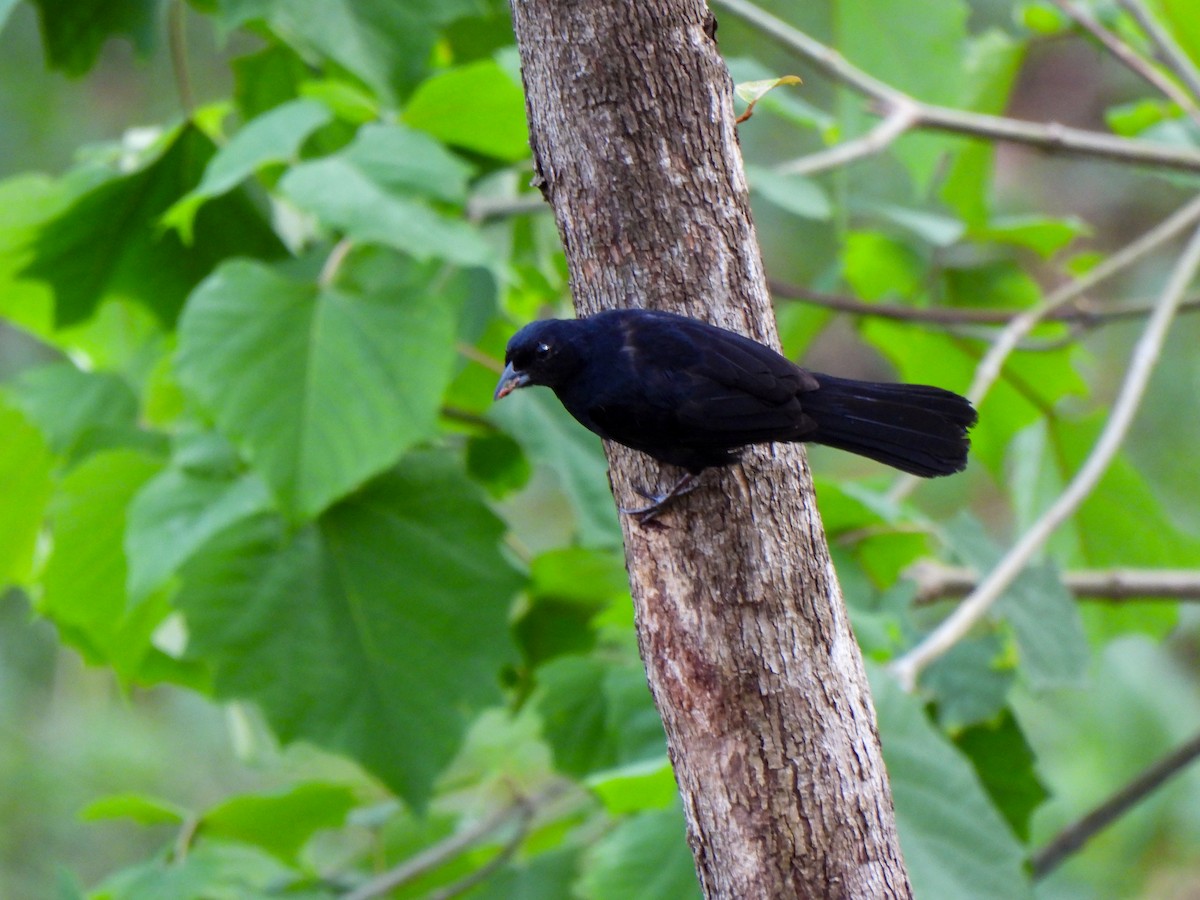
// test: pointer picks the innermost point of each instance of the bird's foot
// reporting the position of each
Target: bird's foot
(658, 502)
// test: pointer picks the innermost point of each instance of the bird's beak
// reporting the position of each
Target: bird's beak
(510, 380)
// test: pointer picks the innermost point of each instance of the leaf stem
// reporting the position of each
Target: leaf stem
(177, 45)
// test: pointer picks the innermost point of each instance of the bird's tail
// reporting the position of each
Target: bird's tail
(912, 427)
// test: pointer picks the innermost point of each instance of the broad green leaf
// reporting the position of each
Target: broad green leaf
(880, 35)
(796, 194)
(496, 462)
(26, 202)
(176, 513)
(1042, 613)
(386, 44)
(579, 575)
(280, 823)
(933, 228)
(137, 807)
(1044, 235)
(274, 137)
(547, 876)
(109, 242)
(6, 7)
(71, 406)
(597, 714)
(1180, 16)
(971, 682)
(267, 79)
(635, 787)
(1004, 762)
(646, 856)
(878, 267)
(346, 198)
(374, 631)
(84, 580)
(955, 843)
(25, 487)
(73, 31)
(477, 107)
(993, 62)
(213, 870)
(551, 438)
(1131, 119)
(321, 387)
(404, 161)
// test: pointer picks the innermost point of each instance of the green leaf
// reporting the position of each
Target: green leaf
(25, 488)
(597, 714)
(345, 197)
(1004, 762)
(646, 856)
(386, 44)
(635, 787)
(6, 8)
(84, 580)
(374, 632)
(1180, 16)
(970, 683)
(879, 36)
(547, 876)
(274, 137)
(137, 807)
(477, 107)
(552, 439)
(210, 871)
(750, 92)
(796, 194)
(317, 384)
(70, 406)
(404, 161)
(109, 241)
(73, 31)
(578, 575)
(878, 267)
(280, 823)
(496, 461)
(955, 843)
(1042, 613)
(1044, 235)
(176, 513)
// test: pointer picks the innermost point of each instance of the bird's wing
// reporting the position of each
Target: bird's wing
(704, 386)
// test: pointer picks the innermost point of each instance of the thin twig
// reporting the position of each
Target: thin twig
(1088, 316)
(1172, 55)
(484, 872)
(937, 581)
(1072, 838)
(520, 810)
(333, 262)
(480, 209)
(1141, 366)
(177, 47)
(1129, 58)
(475, 355)
(1050, 137)
(902, 118)
(989, 368)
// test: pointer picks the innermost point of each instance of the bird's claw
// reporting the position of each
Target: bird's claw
(658, 502)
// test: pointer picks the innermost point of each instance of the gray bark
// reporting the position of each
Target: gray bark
(741, 623)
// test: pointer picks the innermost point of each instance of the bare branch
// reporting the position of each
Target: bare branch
(1141, 365)
(938, 581)
(1072, 838)
(520, 812)
(1126, 54)
(1172, 55)
(902, 117)
(1083, 316)
(1050, 137)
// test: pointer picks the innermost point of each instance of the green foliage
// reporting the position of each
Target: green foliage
(248, 457)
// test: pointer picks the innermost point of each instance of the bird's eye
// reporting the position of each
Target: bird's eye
(541, 351)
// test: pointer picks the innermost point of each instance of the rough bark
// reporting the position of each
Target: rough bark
(741, 623)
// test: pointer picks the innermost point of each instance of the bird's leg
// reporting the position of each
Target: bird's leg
(685, 485)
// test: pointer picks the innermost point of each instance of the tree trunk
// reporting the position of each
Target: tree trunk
(741, 624)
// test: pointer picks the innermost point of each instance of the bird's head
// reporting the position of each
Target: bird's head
(540, 353)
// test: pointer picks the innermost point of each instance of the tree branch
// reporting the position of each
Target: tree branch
(1072, 838)
(1050, 137)
(520, 812)
(1145, 356)
(1172, 55)
(1083, 316)
(902, 118)
(1130, 59)
(938, 581)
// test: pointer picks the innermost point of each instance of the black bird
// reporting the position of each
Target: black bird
(693, 395)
